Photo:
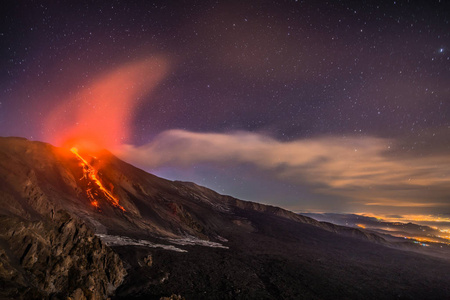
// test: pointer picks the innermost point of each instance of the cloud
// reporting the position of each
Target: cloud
(362, 169)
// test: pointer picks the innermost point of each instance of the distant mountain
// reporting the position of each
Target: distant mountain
(90, 226)
(400, 234)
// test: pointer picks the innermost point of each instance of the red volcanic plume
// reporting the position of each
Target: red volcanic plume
(99, 115)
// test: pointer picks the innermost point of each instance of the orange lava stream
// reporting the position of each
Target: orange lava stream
(90, 173)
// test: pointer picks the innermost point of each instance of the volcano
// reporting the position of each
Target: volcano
(78, 225)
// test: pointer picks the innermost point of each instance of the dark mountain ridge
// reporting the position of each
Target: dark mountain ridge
(178, 237)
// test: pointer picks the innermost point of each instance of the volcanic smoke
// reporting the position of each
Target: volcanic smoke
(99, 116)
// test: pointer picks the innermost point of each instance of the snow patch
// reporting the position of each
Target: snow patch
(222, 239)
(117, 240)
(191, 240)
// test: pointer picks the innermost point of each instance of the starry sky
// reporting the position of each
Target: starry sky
(318, 106)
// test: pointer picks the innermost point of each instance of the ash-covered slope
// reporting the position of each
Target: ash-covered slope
(177, 237)
(38, 179)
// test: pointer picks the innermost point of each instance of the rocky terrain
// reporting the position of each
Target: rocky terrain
(56, 257)
(61, 237)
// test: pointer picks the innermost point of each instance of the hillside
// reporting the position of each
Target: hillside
(178, 238)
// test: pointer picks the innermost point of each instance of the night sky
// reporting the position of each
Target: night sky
(336, 106)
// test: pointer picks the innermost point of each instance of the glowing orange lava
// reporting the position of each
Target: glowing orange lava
(91, 174)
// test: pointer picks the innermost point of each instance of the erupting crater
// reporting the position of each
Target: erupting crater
(94, 187)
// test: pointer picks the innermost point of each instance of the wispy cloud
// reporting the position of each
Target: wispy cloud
(365, 169)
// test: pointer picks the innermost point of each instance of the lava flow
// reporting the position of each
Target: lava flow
(94, 184)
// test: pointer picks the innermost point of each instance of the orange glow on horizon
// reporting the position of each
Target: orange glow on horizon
(428, 240)
(408, 218)
(91, 174)
(442, 238)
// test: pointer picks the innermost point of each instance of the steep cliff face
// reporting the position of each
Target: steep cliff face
(57, 257)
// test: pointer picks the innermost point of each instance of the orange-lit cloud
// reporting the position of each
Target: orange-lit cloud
(410, 218)
(99, 115)
(361, 169)
(436, 222)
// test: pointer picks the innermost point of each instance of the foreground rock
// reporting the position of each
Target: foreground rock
(55, 258)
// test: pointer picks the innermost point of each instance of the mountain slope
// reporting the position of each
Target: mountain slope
(178, 237)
